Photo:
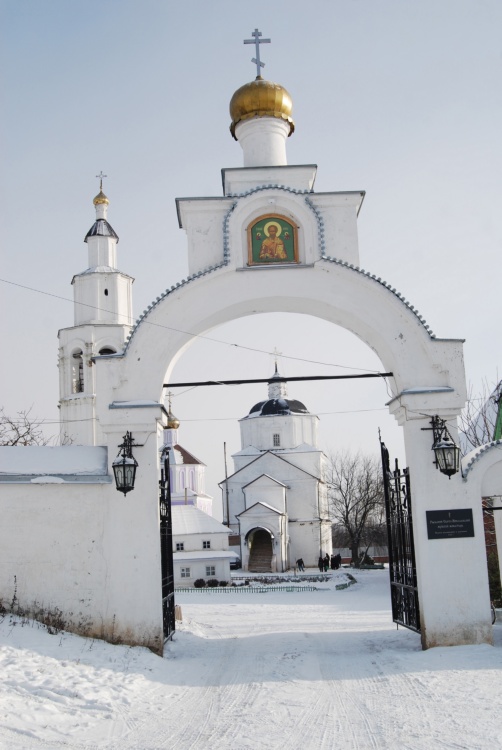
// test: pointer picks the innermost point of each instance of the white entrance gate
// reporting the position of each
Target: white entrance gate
(270, 244)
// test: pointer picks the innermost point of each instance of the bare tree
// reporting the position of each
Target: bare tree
(23, 429)
(479, 420)
(357, 505)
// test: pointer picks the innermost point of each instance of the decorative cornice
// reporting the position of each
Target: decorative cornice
(166, 293)
(479, 453)
(269, 186)
(380, 281)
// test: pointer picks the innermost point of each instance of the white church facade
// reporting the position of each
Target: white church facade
(270, 243)
(276, 500)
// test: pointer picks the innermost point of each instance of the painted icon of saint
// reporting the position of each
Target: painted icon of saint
(272, 247)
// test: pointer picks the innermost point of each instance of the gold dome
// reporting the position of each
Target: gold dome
(261, 98)
(172, 422)
(100, 198)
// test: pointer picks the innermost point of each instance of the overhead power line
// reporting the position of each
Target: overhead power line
(289, 380)
(200, 336)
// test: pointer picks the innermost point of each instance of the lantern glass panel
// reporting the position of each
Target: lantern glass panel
(124, 469)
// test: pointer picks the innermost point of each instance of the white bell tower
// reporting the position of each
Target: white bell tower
(102, 320)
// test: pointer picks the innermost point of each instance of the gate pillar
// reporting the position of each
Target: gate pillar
(130, 538)
(451, 572)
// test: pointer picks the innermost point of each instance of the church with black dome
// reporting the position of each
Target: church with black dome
(275, 501)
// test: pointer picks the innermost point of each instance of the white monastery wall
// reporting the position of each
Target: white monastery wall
(69, 541)
(84, 550)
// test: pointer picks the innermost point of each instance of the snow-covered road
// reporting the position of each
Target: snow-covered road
(324, 670)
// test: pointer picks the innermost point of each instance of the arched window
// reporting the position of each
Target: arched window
(107, 350)
(182, 480)
(77, 372)
(192, 480)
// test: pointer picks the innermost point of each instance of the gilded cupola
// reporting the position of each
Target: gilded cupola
(172, 422)
(101, 198)
(261, 98)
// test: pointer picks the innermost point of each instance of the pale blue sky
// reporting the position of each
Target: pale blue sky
(400, 98)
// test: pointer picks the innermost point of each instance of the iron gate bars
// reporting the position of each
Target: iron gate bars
(166, 549)
(402, 566)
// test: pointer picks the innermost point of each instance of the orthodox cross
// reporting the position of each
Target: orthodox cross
(169, 396)
(257, 41)
(100, 178)
(276, 354)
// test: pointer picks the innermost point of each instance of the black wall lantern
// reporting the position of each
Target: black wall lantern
(446, 452)
(125, 465)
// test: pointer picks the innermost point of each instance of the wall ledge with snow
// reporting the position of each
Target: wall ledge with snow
(35, 464)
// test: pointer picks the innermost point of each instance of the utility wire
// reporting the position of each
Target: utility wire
(188, 333)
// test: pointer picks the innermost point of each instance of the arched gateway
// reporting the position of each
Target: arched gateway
(271, 244)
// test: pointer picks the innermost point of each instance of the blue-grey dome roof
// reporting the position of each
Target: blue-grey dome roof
(278, 407)
(101, 228)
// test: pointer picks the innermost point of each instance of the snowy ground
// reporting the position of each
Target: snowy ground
(321, 670)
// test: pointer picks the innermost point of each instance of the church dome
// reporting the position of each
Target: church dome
(100, 198)
(172, 422)
(261, 98)
(278, 407)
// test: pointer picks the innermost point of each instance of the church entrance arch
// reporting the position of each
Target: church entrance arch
(428, 379)
(260, 551)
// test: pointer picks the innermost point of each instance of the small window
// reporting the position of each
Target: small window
(180, 546)
(210, 570)
(206, 545)
(185, 572)
(107, 350)
(106, 292)
(277, 440)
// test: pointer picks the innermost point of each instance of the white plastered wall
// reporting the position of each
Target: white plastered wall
(69, 542)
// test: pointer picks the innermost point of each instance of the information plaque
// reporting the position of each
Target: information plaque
(449, 524)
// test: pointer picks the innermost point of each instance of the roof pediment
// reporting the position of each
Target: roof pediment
(261, 480)
(258, 509)
(262, 457)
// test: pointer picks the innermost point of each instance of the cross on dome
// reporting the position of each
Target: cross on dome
(257, 41)
(172, 422)
(100, 178)
(276, 353)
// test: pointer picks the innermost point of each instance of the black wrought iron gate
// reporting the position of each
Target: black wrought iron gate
(402, 567)
(166, 550)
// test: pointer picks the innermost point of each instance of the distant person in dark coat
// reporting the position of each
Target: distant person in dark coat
(326, 563)
(333, 562)
(321, 564)
(300, 565)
